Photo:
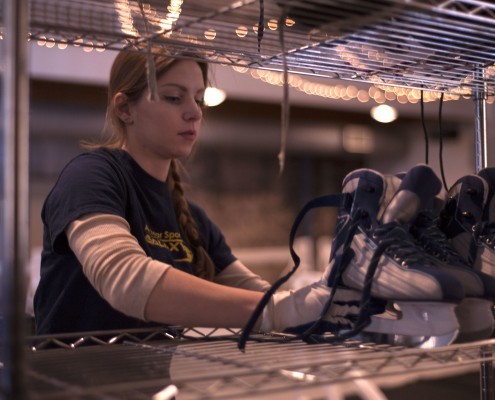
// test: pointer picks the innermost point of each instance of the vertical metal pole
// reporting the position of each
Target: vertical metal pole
(14, 212)
(479, 97)
(486, 375)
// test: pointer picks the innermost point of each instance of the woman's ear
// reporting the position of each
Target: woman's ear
(122, 109)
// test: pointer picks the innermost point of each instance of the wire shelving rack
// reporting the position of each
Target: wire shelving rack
(444, 46)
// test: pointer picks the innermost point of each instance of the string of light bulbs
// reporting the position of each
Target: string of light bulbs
(377, 92)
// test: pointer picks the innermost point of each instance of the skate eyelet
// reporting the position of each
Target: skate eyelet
(471, 191)
(403, 264)
(467, 214)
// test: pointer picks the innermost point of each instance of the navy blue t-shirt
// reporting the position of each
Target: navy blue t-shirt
(109, 182)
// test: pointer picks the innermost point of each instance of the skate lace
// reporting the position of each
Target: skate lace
(426, 230)
(400, 244)
(341, 262)
(393, 240)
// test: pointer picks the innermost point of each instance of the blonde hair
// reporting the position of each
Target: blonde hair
(128, 75)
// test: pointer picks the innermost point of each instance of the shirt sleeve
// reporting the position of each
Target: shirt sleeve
(114, 263)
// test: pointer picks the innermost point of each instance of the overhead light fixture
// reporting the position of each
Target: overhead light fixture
(214, 96)
(384, 113)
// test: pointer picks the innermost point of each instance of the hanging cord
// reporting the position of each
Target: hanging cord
(440, 134)
(285, 112)
(423, 122)
(150, 65)
(261, 24)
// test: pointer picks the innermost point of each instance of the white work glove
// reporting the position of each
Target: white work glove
(296, 310)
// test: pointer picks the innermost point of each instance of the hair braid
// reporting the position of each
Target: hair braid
(204, 265)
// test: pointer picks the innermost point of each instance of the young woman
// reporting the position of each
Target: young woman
(123, 248)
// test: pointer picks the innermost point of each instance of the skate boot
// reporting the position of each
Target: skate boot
(374, 251)
(474, 312)
(468, 220)
(485, 229)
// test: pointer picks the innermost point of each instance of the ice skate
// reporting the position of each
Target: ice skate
(474, 311)
(405, 299)
(468, 220)
(373, 251)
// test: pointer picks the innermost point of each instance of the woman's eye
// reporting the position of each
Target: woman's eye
(172, 99)
(200, 102)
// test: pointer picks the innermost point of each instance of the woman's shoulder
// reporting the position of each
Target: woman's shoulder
(89, 161)
(93, 167)
(100, 155)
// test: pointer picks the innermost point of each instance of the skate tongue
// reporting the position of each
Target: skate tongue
(416, 192)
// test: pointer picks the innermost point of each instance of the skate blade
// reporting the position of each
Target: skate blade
(476, 320)
(420, 342)
(414, 324)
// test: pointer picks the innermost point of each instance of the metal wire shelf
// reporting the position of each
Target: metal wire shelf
(439, 45)
(206, 364)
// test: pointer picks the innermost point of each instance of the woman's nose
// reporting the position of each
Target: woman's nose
(193, 111)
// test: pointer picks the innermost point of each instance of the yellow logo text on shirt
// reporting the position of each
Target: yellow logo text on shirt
(172, 241)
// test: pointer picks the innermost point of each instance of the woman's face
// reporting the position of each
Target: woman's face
(167, 128)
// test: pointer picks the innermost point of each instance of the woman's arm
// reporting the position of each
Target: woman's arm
(144, 288)
(182, 299)
(238, 275)
(141, 287)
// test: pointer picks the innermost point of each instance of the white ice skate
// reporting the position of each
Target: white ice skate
(374, 252)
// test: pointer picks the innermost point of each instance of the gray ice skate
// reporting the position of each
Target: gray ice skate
(374, 251)
(468, 220)
(474, 311)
